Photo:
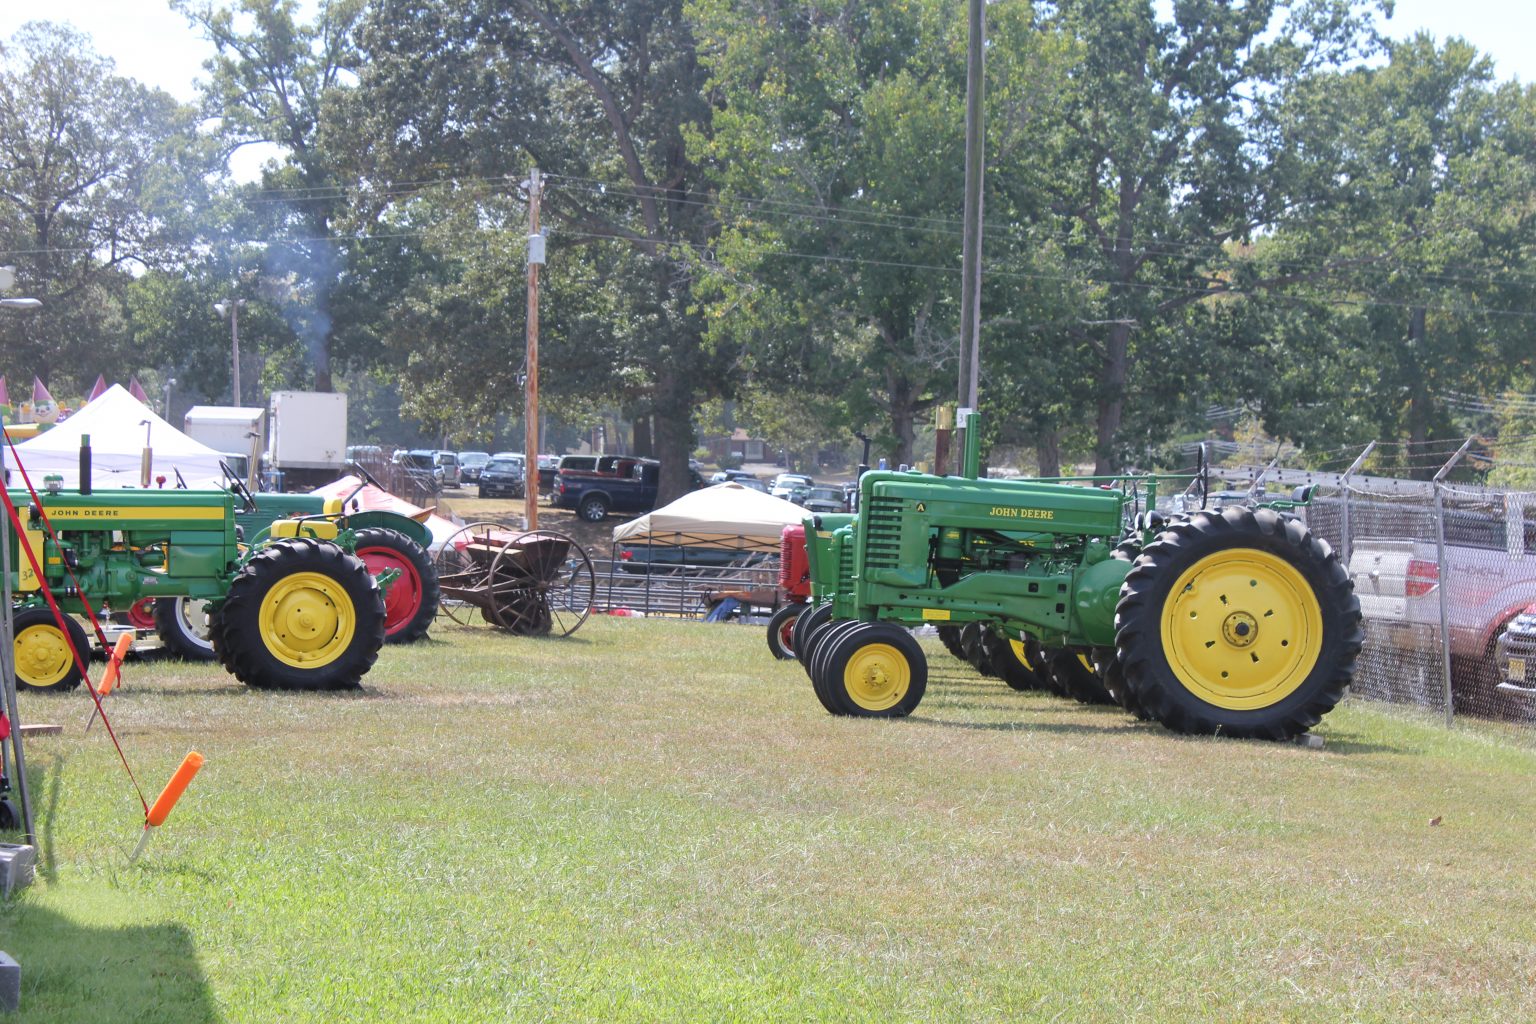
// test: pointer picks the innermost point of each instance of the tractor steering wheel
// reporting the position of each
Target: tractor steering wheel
(238, 488)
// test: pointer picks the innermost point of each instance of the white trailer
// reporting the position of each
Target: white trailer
(233, 430)
(308, 436)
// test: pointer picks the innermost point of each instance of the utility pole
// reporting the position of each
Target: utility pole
(531, 387)
(970, 261)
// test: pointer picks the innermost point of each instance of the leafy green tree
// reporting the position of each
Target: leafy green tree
(599, 96)
(272, 80)
(1427, 292)
(1165, 148)
(96, 177)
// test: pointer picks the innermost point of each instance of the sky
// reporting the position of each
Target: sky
(151, 43)
(156, 46)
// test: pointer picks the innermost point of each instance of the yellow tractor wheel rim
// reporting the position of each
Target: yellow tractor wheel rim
(307, 620)
(43, 657)
(877, 677)
(1242, 629)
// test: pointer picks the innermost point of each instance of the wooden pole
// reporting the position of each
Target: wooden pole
(531, 387)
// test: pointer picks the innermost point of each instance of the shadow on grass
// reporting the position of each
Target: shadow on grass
(75, 972)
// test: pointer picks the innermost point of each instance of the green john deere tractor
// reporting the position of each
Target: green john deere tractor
(1237, 622)
(294, 608)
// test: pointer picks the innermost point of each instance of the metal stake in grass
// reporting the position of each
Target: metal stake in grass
(167, 799)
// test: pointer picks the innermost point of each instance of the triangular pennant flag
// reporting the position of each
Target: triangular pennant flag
(44, 409)
(100, 386)
(136, 391)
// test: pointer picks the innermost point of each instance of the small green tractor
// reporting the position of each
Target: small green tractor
(1237, 622)
(293, 607)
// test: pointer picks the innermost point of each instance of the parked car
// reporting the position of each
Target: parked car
(753, 482)
(792, 487)
(1489, 578)
(503, 478)
(449, 463)
(825, 499)
(470, 464)
(420, 465)
(631, 487)
(726, 476)
(1515, 653)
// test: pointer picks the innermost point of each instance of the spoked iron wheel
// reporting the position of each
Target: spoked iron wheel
(541, 584)
(458, 567)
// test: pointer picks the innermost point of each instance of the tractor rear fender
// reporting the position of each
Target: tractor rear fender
(418, 532)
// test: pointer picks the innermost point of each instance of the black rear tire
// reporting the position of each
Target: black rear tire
(1077, 679)
(972, 636)
(1017, 662)
(949, 636)
(183, 626)
(301, 615)
(1262, 622)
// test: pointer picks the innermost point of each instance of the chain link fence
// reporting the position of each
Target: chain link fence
(1444, 572)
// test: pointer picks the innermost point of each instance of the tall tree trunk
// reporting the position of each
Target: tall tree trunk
(643, 444)
(674, 437)
(1048, 453)
(1112, 374)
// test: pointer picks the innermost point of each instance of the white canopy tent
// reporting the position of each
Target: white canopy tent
(723, 516)
(120, 427)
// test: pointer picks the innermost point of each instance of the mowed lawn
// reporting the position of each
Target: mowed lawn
(654, 821)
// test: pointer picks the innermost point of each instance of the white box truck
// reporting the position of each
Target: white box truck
(307, 438)
(237, 432)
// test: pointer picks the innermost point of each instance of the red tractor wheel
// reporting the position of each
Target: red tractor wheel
(411, 601)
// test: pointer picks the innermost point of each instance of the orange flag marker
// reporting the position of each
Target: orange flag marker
(167, 799)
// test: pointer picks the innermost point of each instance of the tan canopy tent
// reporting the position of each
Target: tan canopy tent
(723, 516)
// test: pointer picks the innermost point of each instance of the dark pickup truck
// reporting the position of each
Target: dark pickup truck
(622, 485)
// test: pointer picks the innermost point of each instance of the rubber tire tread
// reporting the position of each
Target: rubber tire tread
(971, 643)
(1006, 665)
(786, 618)
(949, 636)
(806, 628)
(1138, 624)
(426, 575)
(39, 615)
(238, 640)
(838, 651)
(170, 627)
(1077, 680)
(825, 638)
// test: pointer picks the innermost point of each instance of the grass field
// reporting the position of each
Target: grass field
(653, 821)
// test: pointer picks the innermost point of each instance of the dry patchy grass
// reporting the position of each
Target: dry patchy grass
(653, 820)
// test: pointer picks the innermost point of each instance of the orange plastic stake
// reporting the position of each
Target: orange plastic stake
(173, 790)
(115, 663)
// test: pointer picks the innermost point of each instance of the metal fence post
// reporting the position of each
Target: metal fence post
(1445, 628)
(1345, 542)
(1443, 575)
